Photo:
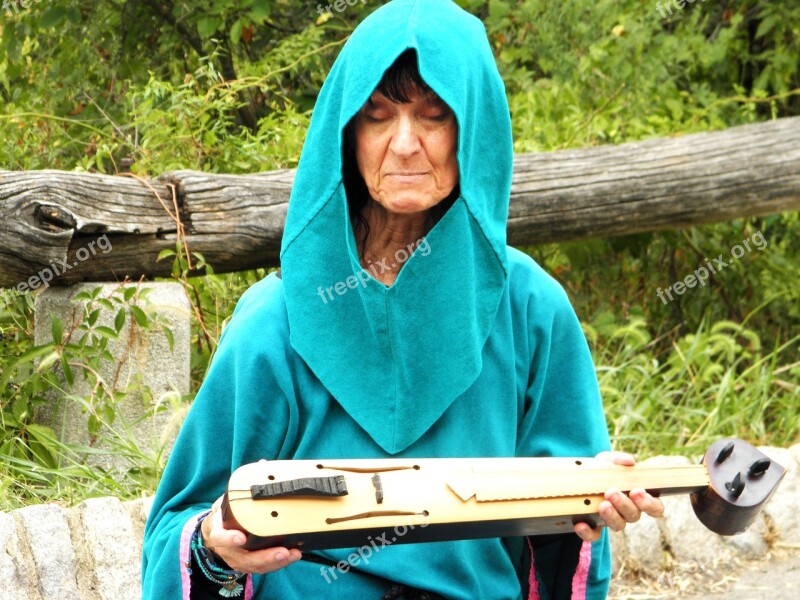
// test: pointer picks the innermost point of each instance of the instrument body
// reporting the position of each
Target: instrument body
(318, 504)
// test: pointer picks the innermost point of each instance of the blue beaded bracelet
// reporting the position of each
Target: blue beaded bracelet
(227, 578)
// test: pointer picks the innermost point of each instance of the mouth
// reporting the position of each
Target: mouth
(407, 176)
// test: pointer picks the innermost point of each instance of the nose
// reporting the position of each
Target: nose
(405, 140)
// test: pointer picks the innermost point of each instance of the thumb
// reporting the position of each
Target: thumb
(219, 535)
(617, 458)
(228, 537)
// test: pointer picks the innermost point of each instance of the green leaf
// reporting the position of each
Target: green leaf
(67, 370)
(236, 32)
(92, 318)
(20, 410)
(139, 315)
(93, 424)
(260, 11)
(209, 138)
(498, 10)
(165, 254)
(74, 15)
(53, 16)
(57, 329)
(208, 26)
(119, 320)
(170, 338)
(766, 26)
(106, 332)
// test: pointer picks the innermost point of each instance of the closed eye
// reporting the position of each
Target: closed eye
(439, 118)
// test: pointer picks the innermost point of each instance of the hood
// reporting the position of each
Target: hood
(397, 357)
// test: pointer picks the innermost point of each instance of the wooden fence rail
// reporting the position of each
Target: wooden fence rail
(236, 221)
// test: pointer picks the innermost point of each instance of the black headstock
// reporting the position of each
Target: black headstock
(742, 480)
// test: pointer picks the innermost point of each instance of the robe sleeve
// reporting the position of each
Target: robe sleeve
(563, 417)
(240, 415)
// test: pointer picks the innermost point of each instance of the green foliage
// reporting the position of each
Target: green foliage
(714, 382)
(583, 73)
(37, 378)
(216, 85)
(225, 86)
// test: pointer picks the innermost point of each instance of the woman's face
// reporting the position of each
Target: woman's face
(406, 152)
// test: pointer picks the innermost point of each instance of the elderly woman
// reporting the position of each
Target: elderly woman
(402, 325)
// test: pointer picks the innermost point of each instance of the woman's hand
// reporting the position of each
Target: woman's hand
(227, 543)
(617, 510)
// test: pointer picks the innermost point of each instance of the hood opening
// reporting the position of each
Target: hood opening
(400, 83)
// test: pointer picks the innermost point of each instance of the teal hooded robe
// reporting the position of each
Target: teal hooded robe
(473, 351)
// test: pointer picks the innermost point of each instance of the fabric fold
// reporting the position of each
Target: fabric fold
(373, 346)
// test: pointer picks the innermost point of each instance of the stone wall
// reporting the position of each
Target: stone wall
(92, 551)
(89, 552)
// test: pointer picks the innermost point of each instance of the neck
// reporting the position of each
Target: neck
(392, 238)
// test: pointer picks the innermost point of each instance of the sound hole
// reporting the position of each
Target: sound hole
(274, 513)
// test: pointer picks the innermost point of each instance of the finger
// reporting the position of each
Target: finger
(623, 505)
(617, 458)
(268, 560)
(218, 535)
(586, 533)
(647, 503)
(225, 538)
(610, 516)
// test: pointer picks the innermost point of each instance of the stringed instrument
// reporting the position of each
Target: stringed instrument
(332, 503)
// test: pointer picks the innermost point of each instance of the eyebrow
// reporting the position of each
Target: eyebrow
(431, 98)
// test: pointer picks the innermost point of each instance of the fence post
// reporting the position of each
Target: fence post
(141, 355)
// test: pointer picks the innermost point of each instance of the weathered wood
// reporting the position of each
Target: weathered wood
(657, 184)
(236, 221)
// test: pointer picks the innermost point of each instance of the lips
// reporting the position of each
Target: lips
(409, 177)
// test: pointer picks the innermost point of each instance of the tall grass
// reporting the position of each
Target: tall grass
(718, 381)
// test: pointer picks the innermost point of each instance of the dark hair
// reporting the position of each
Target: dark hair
(400, 83)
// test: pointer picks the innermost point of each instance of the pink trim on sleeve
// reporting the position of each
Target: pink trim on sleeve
(533, 583)
(186, 559)
(581, 578)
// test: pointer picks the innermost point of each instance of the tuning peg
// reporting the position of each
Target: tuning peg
(724, 453)
(758, 468)
(735, 487)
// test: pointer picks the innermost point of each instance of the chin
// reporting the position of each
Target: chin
(406, 204)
